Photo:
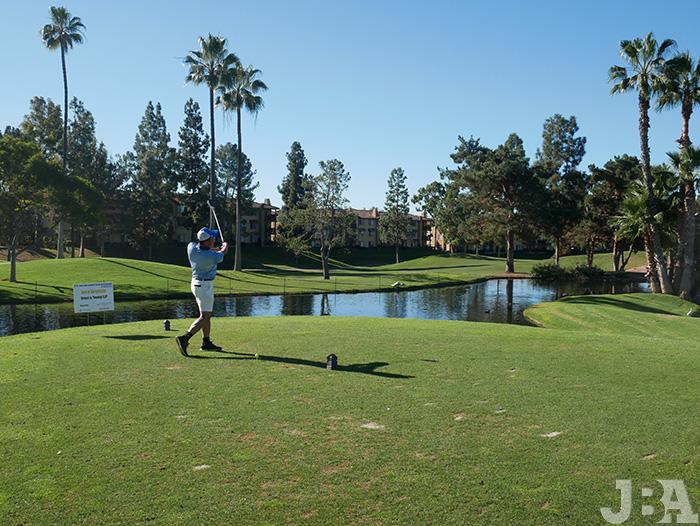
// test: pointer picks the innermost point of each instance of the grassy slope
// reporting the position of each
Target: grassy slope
(107, 424)
(638, 314)
(135, 279)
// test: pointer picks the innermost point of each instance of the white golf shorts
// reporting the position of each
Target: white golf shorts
(204, 294)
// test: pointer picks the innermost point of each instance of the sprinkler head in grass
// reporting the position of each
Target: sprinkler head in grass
(331, 362)
(166, 325)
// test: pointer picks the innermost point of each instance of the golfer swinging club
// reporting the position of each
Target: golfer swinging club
(204, 258)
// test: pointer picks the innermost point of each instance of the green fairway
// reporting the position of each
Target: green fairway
(48, 280)
(426, 422)
(622, 313)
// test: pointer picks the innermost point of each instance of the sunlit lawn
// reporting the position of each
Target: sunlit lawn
(426, 422)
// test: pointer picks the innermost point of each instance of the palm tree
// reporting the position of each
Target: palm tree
(239, 89)
(680, 86)
(64, 31)
(686, 164)
(206, 67)
(631, 224)
(646, 61)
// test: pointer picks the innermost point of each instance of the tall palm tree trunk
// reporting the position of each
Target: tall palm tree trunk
(239, 172)
(652, 274)
(685, 262)
(212, 161)
(61, 227)
(656, 247)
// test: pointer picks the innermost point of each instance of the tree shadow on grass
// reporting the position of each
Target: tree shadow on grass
(619, 303)
(137, 337)
(30, 286)
(362, 368)
(144, 271)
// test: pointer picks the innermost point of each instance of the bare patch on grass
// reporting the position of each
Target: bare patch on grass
(200, 467)
(372, 425)
(551, 434)
(649, 456)
(337, 468)
(459, 416)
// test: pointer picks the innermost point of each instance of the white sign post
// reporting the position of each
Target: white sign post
(93, 297)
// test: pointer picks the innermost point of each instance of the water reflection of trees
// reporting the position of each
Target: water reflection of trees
(495, 300)
(297, 305)
(395, 304)
(325, 305)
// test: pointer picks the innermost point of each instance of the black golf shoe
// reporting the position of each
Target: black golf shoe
(209, 346)
(182, 344)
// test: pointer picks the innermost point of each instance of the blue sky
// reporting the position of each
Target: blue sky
(377, 84)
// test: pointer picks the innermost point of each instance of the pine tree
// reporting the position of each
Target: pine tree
(88, 162)
(152, 182)
(295, 182)
(43, 126)
(394, 221)
(192, 166)
(227, 169)
(564, 186)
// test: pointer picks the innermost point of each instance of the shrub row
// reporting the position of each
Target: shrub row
(549, 271)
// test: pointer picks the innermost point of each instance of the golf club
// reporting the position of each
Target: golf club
(218, 226)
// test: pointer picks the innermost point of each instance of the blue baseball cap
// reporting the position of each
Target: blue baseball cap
(206, 233)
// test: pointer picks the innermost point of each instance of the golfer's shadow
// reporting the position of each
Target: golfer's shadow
(362, 368)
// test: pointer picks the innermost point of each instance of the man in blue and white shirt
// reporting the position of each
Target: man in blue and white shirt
(204, 258)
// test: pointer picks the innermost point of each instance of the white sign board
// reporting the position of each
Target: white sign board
(93, 297)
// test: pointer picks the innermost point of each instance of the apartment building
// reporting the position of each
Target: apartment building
(259, 224)
(420, 229)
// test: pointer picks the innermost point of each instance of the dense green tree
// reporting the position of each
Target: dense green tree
(680, 86)
(564, 186)
(330, 221)
(685, 169)
(444, 203)
(206, 66)
(239, 90)
(500, 185)
(12, 132)
(394, 221)
(646, 58)
(43, 126)
(227, 173)
(322, 219)
(87, 166)
(630, 224)
(192, 170)
(293, 185)
(152, 182)
(63, 32)
(607, 187)
(27, 182)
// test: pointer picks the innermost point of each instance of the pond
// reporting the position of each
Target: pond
(496, 300)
